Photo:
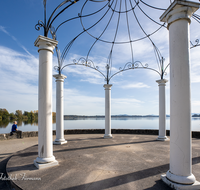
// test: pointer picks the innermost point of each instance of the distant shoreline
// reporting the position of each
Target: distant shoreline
(102, 116)
(67, 117)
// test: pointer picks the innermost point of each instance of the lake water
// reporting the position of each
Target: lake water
(120, 123)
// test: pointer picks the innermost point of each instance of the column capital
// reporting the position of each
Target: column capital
(107, 86)
(161, 82)
(179, 10)
(59, 77)
(45, 43)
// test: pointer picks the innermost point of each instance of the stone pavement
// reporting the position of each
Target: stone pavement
(90, 162)
(8, 148)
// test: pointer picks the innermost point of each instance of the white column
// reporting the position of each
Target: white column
(59, 110)
(162, 110)
(178, 18)
(107, 111)
(45, 147)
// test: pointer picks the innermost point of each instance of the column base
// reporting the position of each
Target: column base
(188, 180)
(45, 160)
(162, 138)
(59, 142)
(195, 185)
(45, 165)
(107, 136)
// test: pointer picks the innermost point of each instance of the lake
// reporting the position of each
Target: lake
(92, 123)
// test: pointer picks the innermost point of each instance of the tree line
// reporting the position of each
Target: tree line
(26, 117)
(18, 115)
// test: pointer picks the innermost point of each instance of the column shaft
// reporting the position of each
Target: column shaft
(45, 147)
(59, 110)
(162, 110)
(180, 111)
(107, 111)
(178, 19)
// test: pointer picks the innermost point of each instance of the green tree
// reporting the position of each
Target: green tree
(4, 114)
(4, 123)
(0, 118)
(26, 113)
(13, 116)
(25, 117)
(32, 115)
(53, 117)
(18, 114)
(36, 116)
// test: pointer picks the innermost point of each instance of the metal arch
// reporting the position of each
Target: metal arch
(146, 35)
(67, 48)
(109, 65)
(82, 16)
(135, 65)
(86, 62)
(127, 67)
(163, 25)
(164, 71)
(50, 21)
(129, 34)
(157, 52)
(101, 32)
(47, 25)
(122, 11)
(152, 6)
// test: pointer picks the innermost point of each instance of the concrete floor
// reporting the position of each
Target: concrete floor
(90, 162)
(8, 148)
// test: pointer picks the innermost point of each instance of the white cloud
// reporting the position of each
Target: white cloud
(19, 76)
(77, 102)
(195, 64)
(93, 81)
(19, 80)
(195, 103)
(135, 85)
(126, 101)
(195, 106)
(127, 105)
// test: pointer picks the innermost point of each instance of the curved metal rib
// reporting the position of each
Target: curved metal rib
(83, 62)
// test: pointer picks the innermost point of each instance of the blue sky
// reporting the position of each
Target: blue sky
(133, 92)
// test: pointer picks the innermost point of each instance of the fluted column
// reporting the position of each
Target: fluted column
(107, 111)
(59, 110)
(162, 110)
(45, 147)
(178, 18)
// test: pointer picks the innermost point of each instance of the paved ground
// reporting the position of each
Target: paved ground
(8, 148)
(90, 162)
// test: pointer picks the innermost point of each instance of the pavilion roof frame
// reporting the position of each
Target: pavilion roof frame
(63, 6)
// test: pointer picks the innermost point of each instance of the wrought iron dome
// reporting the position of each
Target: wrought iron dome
(98, 18)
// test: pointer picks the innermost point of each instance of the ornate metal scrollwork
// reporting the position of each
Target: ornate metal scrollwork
(57, 68)
(39, 25)
(194, 45)
(135, 65)
(85, 62)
